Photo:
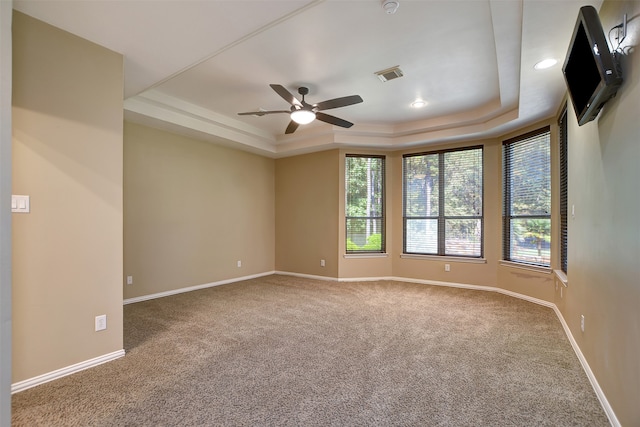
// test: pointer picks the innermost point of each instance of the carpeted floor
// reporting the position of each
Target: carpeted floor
(285, 351)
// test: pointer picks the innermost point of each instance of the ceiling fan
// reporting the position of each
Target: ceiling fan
(302, 113)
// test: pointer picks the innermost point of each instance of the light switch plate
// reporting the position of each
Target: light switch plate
(20, 204)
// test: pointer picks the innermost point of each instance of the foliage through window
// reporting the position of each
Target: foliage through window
(442, 203)
(364, 206)
(527, 198)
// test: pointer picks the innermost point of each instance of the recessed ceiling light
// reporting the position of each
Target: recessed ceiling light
(545, 63)
(418, 103)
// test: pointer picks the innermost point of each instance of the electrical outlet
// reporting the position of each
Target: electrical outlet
(447, 267)
(239, 263)
(322, 263)
(582, 322)
(101, 322)
(129, 280)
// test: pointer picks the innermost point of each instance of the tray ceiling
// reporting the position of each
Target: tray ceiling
(191, 66)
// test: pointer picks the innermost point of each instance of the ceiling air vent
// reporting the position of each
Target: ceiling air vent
(389, 73)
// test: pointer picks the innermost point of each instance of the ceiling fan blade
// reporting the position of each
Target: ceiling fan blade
(292, 127)
(338, 102)
(286, 95)
(333, 120)
(262, 113)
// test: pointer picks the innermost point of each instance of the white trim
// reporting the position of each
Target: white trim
(585, 365)
(194, 288)
(424, 282)
(174, 113)
(562, 277)
(307, 276)
(23, 385)
(63, 372)
(366, 255)
(363, 279)
(524, 266)
(475, 288)
(587, 369)
(446, 258)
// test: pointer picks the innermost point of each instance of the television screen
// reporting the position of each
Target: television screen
(589, 68)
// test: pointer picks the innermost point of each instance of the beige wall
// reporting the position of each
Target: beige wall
(307, 213)
(604, 235)
(192, 209)
(67, 155)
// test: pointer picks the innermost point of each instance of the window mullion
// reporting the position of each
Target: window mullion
(506, 211)
(563, 191)
(441, 202)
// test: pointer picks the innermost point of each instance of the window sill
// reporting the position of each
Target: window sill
(445, 258)
(522, 266)
(371, 255)
(562, 277)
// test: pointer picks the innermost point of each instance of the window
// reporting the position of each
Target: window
(564, 190)
(364, 206)
(442, 202)
(527, 198)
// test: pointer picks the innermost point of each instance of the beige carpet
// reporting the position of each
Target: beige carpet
(285, 351)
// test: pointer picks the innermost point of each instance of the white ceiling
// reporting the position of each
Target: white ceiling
(192, 65)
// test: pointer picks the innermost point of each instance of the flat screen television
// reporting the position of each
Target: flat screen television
(590, 69)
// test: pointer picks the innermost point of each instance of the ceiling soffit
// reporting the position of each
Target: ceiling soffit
(468, 71)
(190, 67)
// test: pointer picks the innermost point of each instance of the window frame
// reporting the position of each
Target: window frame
(441, 217)
(382, 217)
(506, 196)
(563, 148)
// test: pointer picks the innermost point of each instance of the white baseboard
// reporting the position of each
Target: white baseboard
(307, 276)
(585, 365)
(475, 288)
(23, 385)
(194, 288)
(587, 369)
(63, 372)
(450, 285)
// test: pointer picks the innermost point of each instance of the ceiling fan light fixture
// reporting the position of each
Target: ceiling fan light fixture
(302, 113)
(303, 117)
